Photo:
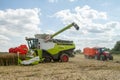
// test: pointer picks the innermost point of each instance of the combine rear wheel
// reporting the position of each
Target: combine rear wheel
(64, 58)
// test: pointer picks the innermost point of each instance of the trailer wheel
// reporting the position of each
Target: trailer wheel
(85, 56)
(64, 58)
(96, 57)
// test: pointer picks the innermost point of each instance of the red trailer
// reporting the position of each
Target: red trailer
(89, 52)
(98, 53)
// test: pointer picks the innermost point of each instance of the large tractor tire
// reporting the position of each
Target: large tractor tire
(64, 58)
(110, 57)
(102, 58)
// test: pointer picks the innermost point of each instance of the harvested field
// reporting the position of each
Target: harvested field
(78, 68)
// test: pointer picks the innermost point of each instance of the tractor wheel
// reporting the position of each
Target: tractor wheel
(102, 58)
(110, 57)
(64, 58)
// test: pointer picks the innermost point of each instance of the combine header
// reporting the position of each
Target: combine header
(22, 49)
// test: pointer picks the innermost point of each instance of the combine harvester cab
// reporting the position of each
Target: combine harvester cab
(97, 53)
(46, 49)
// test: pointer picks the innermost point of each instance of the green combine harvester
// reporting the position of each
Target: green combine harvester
(43, 48)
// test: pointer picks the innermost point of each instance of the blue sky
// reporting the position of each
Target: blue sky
(49, 8)
(52, 17)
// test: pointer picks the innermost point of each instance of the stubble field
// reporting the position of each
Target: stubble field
(78, 68)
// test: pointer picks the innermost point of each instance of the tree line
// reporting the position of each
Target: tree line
(116, 48)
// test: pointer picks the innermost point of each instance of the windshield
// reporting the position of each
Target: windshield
(102, 49)
(32, 43)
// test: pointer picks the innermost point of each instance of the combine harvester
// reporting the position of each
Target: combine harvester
(43, 48)
(97, 53)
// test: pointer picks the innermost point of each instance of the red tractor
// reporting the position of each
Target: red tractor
(98, 53)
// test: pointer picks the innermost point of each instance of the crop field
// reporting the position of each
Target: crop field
(78, 68)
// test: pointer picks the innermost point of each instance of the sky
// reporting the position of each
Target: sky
(99, 21)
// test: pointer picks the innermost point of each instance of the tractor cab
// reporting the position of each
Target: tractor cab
(32, 43)
(100, 50)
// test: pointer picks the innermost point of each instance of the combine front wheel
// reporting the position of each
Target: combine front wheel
(47, 59)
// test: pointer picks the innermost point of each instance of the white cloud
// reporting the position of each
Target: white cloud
(16, 24)
(2, 37)
(90, 33)
(81, 15)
